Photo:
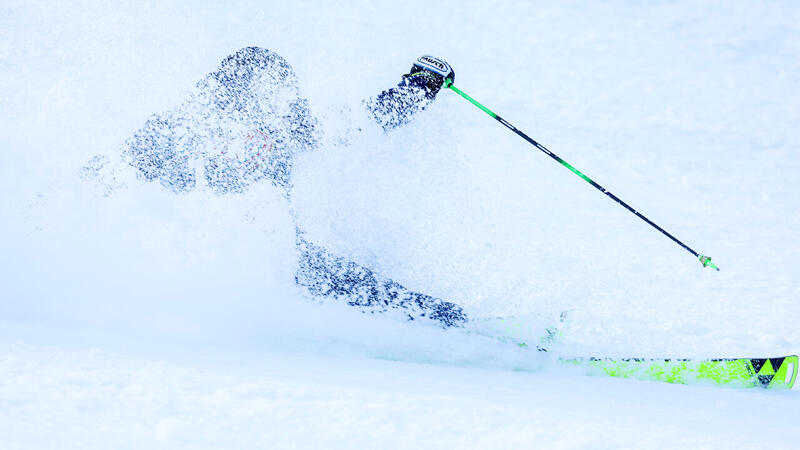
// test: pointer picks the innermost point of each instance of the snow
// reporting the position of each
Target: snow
(133, 317)
(91, 399)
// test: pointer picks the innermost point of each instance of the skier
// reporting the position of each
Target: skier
(244, 122)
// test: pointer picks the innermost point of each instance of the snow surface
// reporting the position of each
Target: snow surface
(131, 317)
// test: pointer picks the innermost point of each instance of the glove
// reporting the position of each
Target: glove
(432, 73)
(396, 106)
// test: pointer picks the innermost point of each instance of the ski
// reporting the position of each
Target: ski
(768, 373)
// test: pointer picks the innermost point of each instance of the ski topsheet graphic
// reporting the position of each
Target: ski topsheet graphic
(772, 373)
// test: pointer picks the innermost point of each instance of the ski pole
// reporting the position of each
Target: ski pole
(705, 260)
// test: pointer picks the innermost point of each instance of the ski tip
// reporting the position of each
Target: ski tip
(706, 262)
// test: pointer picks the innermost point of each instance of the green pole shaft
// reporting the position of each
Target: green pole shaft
(705, 260)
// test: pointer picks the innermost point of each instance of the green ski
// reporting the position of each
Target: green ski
(769, 373)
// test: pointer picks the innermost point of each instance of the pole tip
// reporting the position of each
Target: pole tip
(706, 262)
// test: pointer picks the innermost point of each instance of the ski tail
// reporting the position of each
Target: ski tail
(768, 373)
